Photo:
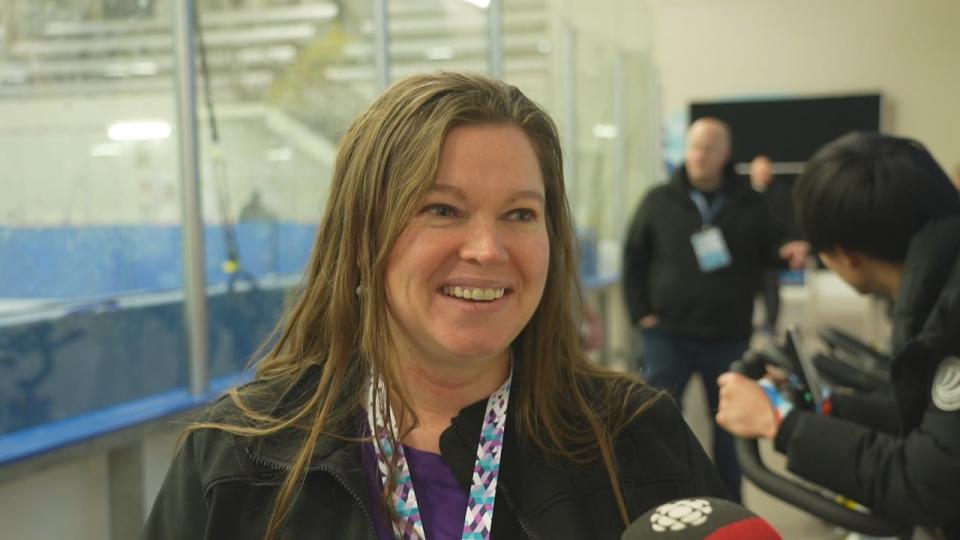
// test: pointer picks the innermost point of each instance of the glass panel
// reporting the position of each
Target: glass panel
(432, 35)
(89, 208)
(530, 53)
(643, 166)
(279, 83)
(596, 131)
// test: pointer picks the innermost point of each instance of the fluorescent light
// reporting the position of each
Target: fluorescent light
(13, 76)
(440, 53)
(482, 4)
(106, 150)
(144, 68)
(279, 154)
(138, 130)
(282, 53)
(605, 131)
(126, 69)
(116, 70)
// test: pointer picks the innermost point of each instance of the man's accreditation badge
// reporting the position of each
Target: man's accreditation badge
(711, 249)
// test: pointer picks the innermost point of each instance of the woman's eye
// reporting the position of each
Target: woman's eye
(441, 210)
(523, 214)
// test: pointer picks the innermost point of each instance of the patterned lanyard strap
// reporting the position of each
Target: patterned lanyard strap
(479, 516)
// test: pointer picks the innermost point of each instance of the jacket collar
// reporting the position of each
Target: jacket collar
(458, 443)
(932, 264)
(733, 185)
(924, 317)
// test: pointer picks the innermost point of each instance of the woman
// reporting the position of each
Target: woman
(438, 314)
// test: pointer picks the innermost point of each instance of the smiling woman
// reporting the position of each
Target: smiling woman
(453, 399)
(481, 231)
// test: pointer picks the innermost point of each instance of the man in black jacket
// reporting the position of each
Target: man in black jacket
(886, 219)
(693, 263)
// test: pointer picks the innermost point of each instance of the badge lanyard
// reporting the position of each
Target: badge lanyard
(708, 244)
(707, 211)
(486, 470)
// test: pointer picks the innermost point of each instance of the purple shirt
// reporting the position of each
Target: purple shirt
(442, 501)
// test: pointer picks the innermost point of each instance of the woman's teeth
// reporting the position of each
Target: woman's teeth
(466, 293)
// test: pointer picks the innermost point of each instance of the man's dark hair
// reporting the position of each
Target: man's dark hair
(871, 193)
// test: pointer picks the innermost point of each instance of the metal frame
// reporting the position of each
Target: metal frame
(569, 108)
(620, 142)
(194, 270)
(381, 41)
(495, 36)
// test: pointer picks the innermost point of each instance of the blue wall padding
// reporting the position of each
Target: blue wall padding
(64, 262)
(58, 368)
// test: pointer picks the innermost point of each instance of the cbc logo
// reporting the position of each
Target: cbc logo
(678, 515)
(946, 385)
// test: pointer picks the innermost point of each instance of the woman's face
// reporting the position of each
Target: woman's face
(468, 271)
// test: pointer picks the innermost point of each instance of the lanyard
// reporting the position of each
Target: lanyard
(707, 211)
(486, 470)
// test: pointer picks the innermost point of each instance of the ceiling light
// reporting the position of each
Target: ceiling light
(605, 131)
(279, 154)
(440, 53)
(139, 130)
(106, 150)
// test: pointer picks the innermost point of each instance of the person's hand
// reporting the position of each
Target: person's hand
(745, 411)
(649, 321)
(795, 253)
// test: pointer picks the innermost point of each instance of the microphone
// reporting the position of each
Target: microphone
(701, 518)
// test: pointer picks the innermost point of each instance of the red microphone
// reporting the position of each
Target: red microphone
(701, 518)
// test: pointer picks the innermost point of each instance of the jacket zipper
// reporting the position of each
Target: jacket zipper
(523, 524)
(343, 483)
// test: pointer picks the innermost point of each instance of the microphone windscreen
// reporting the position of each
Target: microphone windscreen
(702, 518)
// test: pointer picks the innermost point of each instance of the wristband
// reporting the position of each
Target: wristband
(781, 405)
(827, 403)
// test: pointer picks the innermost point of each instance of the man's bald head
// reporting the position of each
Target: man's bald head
(707, 152)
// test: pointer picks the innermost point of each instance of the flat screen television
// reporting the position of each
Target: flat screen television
(791, 130)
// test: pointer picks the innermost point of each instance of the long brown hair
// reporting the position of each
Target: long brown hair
(386, 162)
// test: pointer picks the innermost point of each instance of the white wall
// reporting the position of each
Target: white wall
(70, 500)
(67, 501)
(907, 50)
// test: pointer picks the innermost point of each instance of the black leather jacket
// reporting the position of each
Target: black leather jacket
(221, 487)
(899, 456)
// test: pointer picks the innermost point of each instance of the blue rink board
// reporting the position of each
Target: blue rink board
(31, 442)
(54, 369)
(83, 262)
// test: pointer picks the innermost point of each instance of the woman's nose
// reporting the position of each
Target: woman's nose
(484, 245)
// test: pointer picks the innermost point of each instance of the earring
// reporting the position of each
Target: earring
(358, 288)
